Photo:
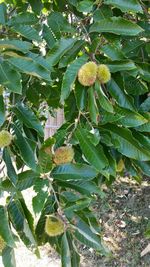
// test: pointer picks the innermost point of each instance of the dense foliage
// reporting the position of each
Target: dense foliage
(43, 45)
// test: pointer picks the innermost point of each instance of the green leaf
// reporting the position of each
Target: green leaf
(8, 257)
(25, 150)
(39, 59)
(102, 98)
(116, 25)
(29, 66)
(102, 13)
(144, 128)
(27, 116)
(70, 76)
(145, 106)
(65, 252)
(10, 78)
(108, 117)
(120, 96)
(84, 234)
(79, 205)
(48, 36)
(94, 155)
(60, 48)
(144, 71)
(45, 161)
(15, 45)
(38, 201)
(73, 2)
(126, 144)
(74, 171)
(10, 168)
(144, 166)
(71, 54)
(75, 257)
(2, 110)
(3, 14)
(121, 66)
(84, 187)
(5, 230)
(27, 31)
(7, 186)
(19, 222)
(125, 6)
(85, 6)
(131, 46)
(26, 179)
(142, 139)
(134, 85)
(26, 18)
(93, 110)
(58, 24)
(113, 52)
(36, 5)
(48, 209)
(130, 118)
(80, 95)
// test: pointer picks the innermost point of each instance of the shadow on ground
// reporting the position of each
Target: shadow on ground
(124, 213)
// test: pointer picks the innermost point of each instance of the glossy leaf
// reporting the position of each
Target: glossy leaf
(27, 116)
(121, 66)
(120, 96)
(27, 31)
(8, 257)
(65, 252)
(86, 236)
(80, 95)
(102, 98)
(95, 156)
(49, 36)
(59, 50)
(58, 23)
(15, 45)
(2, 14)
(70, 76)
(113, 52)
(84, 187)
(26, 179)
(145, 106)
(126, 144)
(125, 6)
(5, 230)
(103, 12)
(130, 118)
(71, 54)
(93, 110)
(85, 6)
(2, 110)
(10, 78)
(10, 168)
(73, 172)
(26, 18)
(145, 71)
(20, 223)
(29, 66)
(116, 25)
(24, 148)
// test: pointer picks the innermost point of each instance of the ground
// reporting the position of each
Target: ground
(123, 213)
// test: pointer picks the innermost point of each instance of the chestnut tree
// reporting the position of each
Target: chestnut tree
(90, 58)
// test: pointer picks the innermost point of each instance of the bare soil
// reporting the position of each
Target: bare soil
(124, 213)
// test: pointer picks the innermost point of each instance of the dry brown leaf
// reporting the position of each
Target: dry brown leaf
(145, 251)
